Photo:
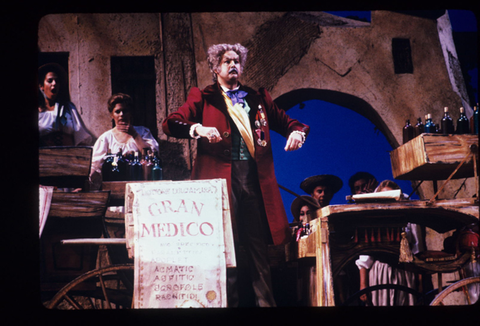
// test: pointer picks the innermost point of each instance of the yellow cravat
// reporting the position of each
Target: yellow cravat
(241, 120)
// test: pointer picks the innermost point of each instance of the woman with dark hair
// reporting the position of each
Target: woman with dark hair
(123, 137)
(59, 122)
(303, 209)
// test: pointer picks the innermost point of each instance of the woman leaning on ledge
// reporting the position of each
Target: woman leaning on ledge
(59, 122)
(124, 137)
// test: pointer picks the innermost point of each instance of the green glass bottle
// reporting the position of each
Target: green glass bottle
(157, 170)
(136, 173)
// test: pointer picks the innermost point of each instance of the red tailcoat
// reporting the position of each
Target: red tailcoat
(214, 160)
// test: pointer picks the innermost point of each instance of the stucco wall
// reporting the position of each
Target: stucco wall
(354, 58)
(358, 61)
(91, 39)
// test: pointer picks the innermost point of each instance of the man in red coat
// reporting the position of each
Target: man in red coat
(232, 124)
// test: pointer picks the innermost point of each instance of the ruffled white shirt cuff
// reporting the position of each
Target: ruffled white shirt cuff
(301, 133)
(192, 130)
(364, 261)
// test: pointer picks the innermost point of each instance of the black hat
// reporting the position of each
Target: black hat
(298, 202)
(309, 184)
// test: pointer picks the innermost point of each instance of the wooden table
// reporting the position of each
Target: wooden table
(341, 232)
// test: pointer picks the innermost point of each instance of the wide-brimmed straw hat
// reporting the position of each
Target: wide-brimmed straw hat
(309, 184)
(298, 202)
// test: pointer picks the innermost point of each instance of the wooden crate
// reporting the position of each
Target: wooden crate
(433, 157)
(64, 166)
(79, 204)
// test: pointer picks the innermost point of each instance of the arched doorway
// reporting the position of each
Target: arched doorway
(346, 136)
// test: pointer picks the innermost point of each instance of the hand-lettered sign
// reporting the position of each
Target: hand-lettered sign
(182, 242)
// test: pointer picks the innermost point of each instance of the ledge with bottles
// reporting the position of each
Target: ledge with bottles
(446, 126)
(120, 168)
(432, 153)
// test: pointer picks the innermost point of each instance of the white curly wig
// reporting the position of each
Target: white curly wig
(216, 51)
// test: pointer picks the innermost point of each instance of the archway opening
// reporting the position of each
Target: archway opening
(346, 136)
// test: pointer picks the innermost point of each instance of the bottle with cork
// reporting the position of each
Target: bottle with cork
(463, 125)
(447, 123)
(430, 127)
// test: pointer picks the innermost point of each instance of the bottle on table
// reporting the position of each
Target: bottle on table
(407, 131)
(463, 125)
(447, 123)
(419, 128)
(136, 173)
(128, 157)
(147, 164)
(107, 167)
(430, 127)
(119, 167)
(157, 170)
(474, 121)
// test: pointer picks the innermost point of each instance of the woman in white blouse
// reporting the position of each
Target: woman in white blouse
(124, 136)
(59, 122)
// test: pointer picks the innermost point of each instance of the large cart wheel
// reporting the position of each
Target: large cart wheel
(396, 287)
(103, 288)
(438, 301)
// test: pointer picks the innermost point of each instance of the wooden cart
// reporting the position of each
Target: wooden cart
(76, 233)
(342, 232)
(86, 258)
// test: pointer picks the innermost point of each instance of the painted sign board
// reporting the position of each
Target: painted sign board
(181, 242)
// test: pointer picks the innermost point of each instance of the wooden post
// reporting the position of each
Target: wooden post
(325, 295)
(180, 72)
